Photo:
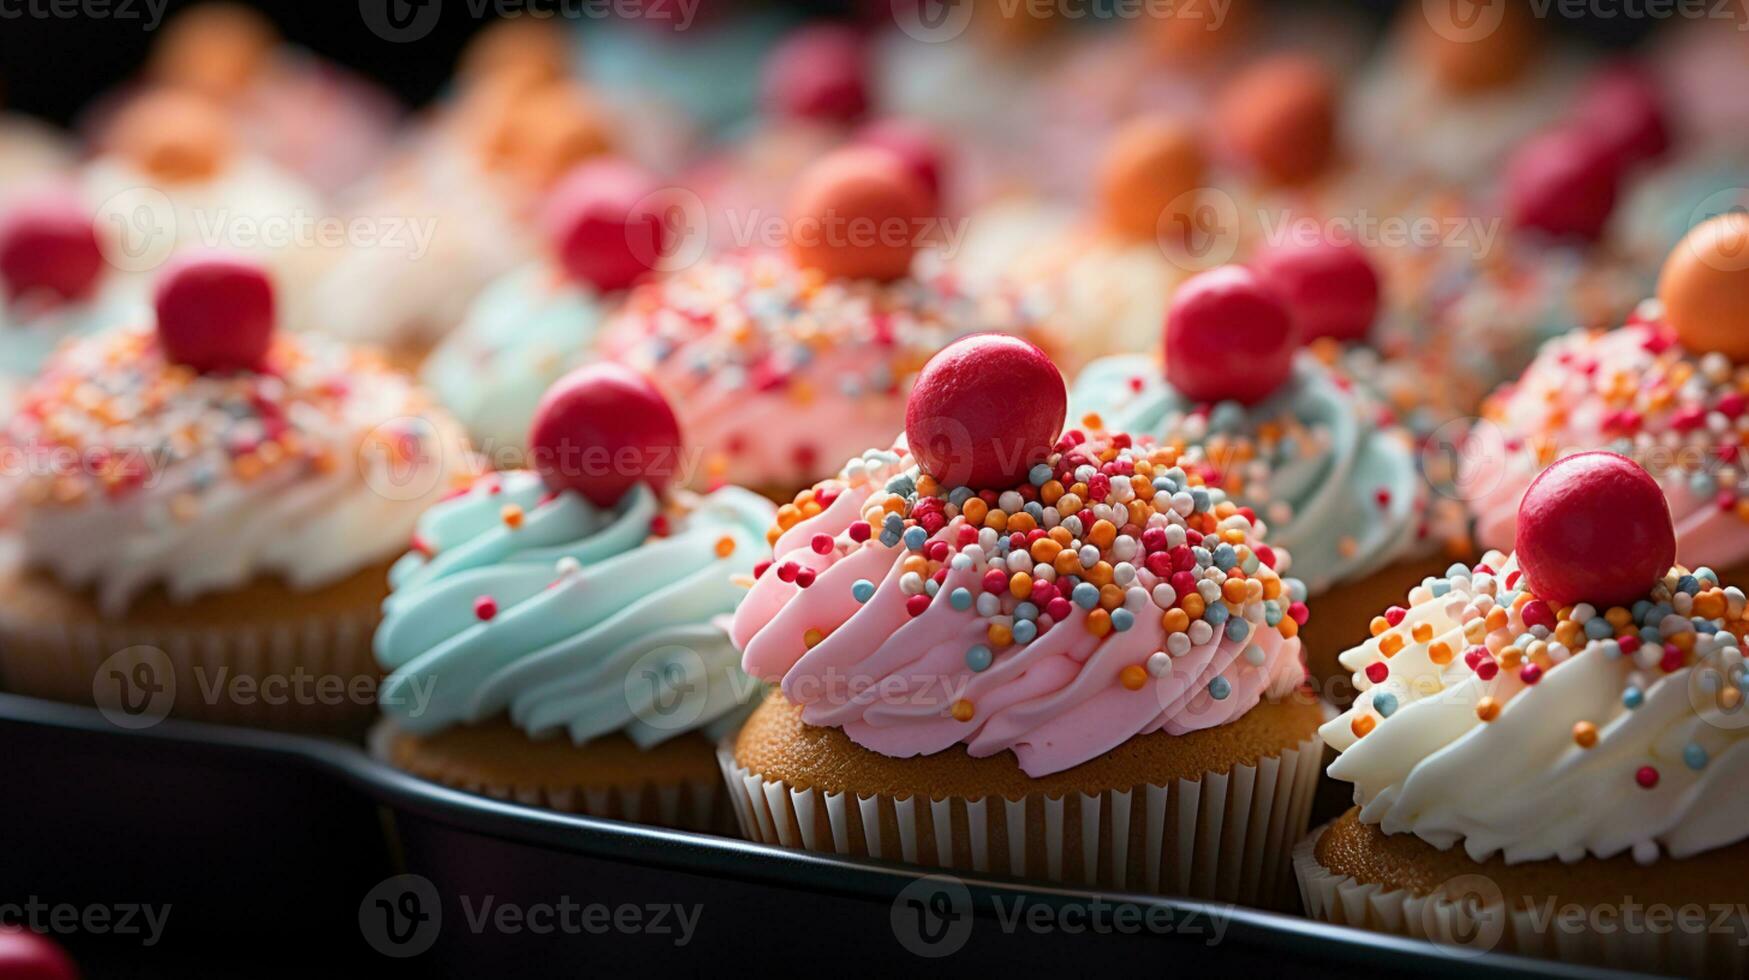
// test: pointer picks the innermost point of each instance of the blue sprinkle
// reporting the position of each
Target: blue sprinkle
(1385, 703)
(1632, 698)
(1272, 613)
(1036, 510)
(978, 658)
(1639, 610)
(1219, 689)
(1026, 610)
(1226, 416)
(1688, 584)
(1216, 614)
(890, 539)
(1025, 631)
(1295, 588)
(1650, 635)
(1165, 485)
(894, 523)
(1611, 649)
(863, 590)
(1457, 569)
(916, 538)
(1287, 447)
(1225, 557)
(1706, 574)
(902, 485)
(1702, 484)
(1238, 629)
(960, 598)
(1598, 628)
(1705, 626)
(1199, 499)
(1440, 587)
(1202, 555)
(1122, 619)
(1039, 475)
(1694, 756)
(960, 495)
(1086, 595)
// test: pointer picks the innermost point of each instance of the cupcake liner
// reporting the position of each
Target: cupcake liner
(139, 674)
(1224, 836)
(699, 805)
(1468, 928)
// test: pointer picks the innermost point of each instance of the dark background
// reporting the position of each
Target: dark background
(52, 64)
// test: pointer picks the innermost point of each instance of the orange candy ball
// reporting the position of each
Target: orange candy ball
(1472, 47)
(174, 136)
(1705, 287)
(1152, 164)
(216, 49)
(858, 213)
(1279, 116)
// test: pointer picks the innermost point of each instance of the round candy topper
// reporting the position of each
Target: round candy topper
(1188, 34)
(917, 146)
(1705, 287)
(547, 132)
(534, 47)
(25, 955)
(216, 49)
(174, 136)
(1562, 183)
(818, 73)
(604, 224)
(1279, 118)
(603, 429)
(49, 248)
(857, 213)
(1472, 47)
(1594, 528)
(215, 313)
(1229, 337)
(1153, 165)
(1624, 109)
(984, 410)
(1331, 287)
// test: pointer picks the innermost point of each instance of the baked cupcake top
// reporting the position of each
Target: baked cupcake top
(1576, 698)
(782, 364)
(199, 455)
(558, 595)
(1665, 389)
(1090, 590)
(1279, 431)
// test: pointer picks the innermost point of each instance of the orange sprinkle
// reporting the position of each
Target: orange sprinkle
(1099, 622)
(1439, 653)
(1422, 632)
(1193, 605)
(999, 635)
(1585, 734)
(1176, 620)
(962, 710)
(1390, 644)
(1020, 585)
(812, 638)
(1362, 724)
(1487, 709)
(1133, 677)
(1103, 534)
(1379, 625)
(1234, 590)
(511, 515)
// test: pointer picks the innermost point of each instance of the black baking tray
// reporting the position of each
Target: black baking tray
(280, 852)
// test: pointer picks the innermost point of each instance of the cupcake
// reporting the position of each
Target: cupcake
(173, 174)
(557, 636)
(1547, 740)
(30, 152)
(1008, 649)
(1665, 389)
(54, 283)
(1284, 435)
(782, 362)
(533, 326)
(216, 504)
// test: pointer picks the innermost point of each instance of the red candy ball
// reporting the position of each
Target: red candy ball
(858, 213)
(1623, 108)
(215, 313)
(984, 410)
(49, 248)
(1229, 336)
(25, 955)
(819, 73)
(1331, 287)
(605, 226)
(1562, 183)
(1594, 528)
(603, 429)
(917, 147)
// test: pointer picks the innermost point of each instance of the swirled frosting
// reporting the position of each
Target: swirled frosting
(132, 472)
(1338, 485)
(1635, 391)
(1492, 719)
(1111, 595)
(776, 372)
(523, 333)
(570, 617)
(30, 332)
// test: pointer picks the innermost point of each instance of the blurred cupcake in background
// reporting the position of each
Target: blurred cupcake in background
(783, 362)
(558, 636)
(172, 173)
(701, 59)
(458, 209)
(1455, 87)
(1310, 453)
(213, 501)
(1665, 390)
(606, 231)
(55, 284)
(310, 117)
(1026, 651)
(31, 152)
(1106, 275)
(1554, 731)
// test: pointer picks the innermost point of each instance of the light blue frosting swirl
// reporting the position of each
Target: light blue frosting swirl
(523, 333)
(599, 627)
(1336, 529)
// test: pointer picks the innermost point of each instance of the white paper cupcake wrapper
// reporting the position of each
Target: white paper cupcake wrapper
(64, 662)
(1225, 836)
(1465, 929)
(691, 805)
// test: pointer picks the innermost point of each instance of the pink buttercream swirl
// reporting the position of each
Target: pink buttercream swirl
(844, 618)
(1636, 391)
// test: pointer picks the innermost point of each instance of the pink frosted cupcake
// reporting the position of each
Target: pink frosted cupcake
(1665, 390)
(783, 364)
(1083, 669)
